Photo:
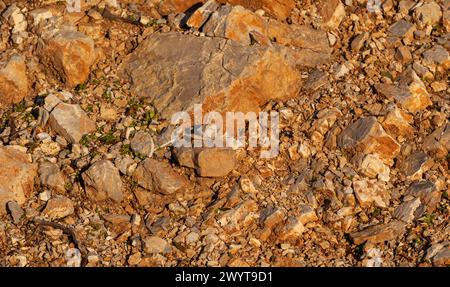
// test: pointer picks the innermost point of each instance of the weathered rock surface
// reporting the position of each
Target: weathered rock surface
(403, 30)
(70, 55)
(370, 192)
(397, 124)
(155, 244)
(373, 167)
(416, 164)
(427, 192)
(142, 143)
(208, 162)
(280, 9)
(15, 211)
(406, 211)
(428, 14)
(246, 74)
(158, 176)
(438, 142)
(379, 233)
(17, 177)
(368, 136)
(51, 177)
(58, 207)
(332, 12)
(102, 181)
(13, 79)
(71, 122)
(409, 92)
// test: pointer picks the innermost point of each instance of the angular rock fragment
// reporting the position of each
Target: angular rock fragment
(70, 55)
(404, 30)
(373, 167)
(15, 211)
(142, 143)
(427, 192)
(366, 135)
(332, 12)
(292, 230)
(410, 92)
(416, 164)
(176, 6)
(428, 14)
(13, 79)
(58, 207)
(406, 211)
(307, 214)
(280, 8)
(235, 23)
(442, 257)
(370, 192)
(202, 14)
(246, 74)
(15, 18)
(51, 177)
(155, 244)
(403, 54)
(438, 143)
(240, 217)
(379, 233)
(158, 176)
(215, 162)
(397, 124)
(437, 55)
(359, 41)
(102, 181)
(71, 122)
(17, 176)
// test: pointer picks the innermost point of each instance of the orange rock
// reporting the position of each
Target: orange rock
(280, 9)
(13, 80)
(397, 124)
(234, 23)
(366, 135)
(247, 74)
(176, 6)
(379, 233)
(17, 176)
(410, 92)
(70, 54)
(332, 12)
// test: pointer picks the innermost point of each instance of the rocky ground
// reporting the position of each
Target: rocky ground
(89, 178)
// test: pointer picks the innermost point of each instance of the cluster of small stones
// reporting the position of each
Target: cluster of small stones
(87, 177)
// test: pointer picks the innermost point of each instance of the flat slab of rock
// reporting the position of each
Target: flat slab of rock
(17, 175)
(71, 122)
(13, 80)
(58, 207)
(158, 176)
(366, 135)
(177, 71)
(379, 233)
(102, 181)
